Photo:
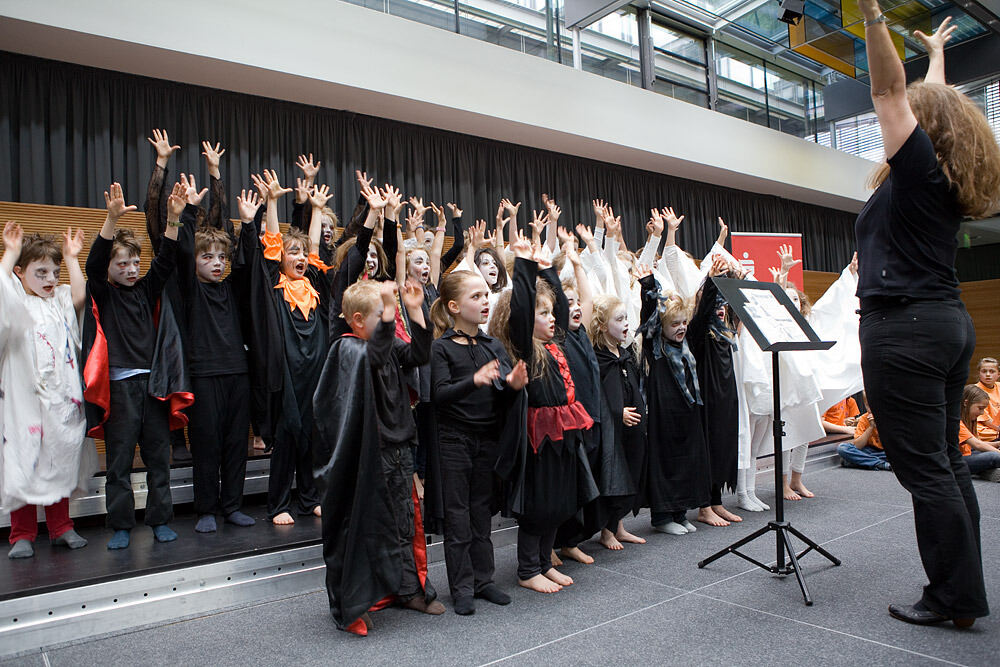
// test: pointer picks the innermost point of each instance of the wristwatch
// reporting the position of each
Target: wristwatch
(878, 19)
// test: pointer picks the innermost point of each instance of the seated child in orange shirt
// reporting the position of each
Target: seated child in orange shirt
(865, 451)
(982, 457)
(841, 418)
(989, 420)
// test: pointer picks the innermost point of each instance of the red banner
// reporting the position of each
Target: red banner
(758, 252)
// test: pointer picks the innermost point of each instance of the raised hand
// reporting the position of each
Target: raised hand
(72, 243)
(261, 186)
(853, 266)
(213, 156)
(13, 235)
(477, 235)
(511, 208)
(613, 223)
(439, 212)
(248, 205)
(302, 188)
(642, 270)
(274, 189)
(785, 254)
(413, 221)
(568, 243)
(114, 200)
(308, 167)
(418, 205)
(177, 200)
(631, 417)
(487, 373)
(161, 142)
(673, 222)
(387, 290)
(585, 234)
(519, 244)
(775, 273)
(191, 193)
(538, 222)
(940, 37)
(456, 212)
(517, 379)
(319, 195)
(551, 207)
(394, 201)
(412, 295)
(600, 209)
(719, 266)
(655, 224)
(363, 180)
(723, 233)
(543, 256)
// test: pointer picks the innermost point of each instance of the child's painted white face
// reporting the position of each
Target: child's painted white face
(488, 267)
(473, 305)
(419, 267)
(793, 294)
(575, 312)
(675, 330)
(371, 261)
(211, 264)
(327, 230)
(618, 326)
(988, 374)
(123, 269)
(545, 321)
(40, 277)
(294, 261)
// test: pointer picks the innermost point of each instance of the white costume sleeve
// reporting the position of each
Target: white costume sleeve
(648, 255)
(684, 273)
(597, 270)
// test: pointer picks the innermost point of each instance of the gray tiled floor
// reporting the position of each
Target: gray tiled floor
(648, 604)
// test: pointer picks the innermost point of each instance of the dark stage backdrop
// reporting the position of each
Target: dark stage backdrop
(68, 131)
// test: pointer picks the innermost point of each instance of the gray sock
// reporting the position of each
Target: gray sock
(21, 549)
(70, 539)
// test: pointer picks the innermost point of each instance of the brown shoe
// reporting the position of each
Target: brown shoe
(434, 608)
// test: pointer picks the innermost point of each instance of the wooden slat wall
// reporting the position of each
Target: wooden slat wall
(982, 300)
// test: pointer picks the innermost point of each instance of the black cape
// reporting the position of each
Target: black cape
(360, 548)
(621, 385)
(714, 353)
(608, 463)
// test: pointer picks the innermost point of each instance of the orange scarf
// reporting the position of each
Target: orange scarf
(298, 294)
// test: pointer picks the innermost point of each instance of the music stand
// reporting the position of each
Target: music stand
(777, 326)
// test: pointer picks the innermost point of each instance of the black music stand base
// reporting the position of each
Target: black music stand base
(784, 545)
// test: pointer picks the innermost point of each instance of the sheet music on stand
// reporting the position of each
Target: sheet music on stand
(772, 318)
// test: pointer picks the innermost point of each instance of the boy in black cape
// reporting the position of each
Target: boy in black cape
(372, 539)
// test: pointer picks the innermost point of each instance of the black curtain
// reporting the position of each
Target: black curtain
(70, 130)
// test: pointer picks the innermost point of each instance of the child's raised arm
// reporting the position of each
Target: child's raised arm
(13, 235)
(72, 245)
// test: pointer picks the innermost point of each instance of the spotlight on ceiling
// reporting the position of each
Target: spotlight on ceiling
(791, 11)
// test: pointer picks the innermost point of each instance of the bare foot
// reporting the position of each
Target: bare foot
(540, 584)
(575, 554)
(609, 541)
(726, 514)
(790, 494)
(802, 490)
(625, 536)
(258, 443)
(556, 561)
(555, 575)
(706, 515)
(317, 511)
(283, 519)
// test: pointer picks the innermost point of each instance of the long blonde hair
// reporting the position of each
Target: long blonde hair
(605, 306)
(966, 148)
(500, 328)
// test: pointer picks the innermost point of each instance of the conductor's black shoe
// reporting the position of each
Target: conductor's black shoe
(916, 614)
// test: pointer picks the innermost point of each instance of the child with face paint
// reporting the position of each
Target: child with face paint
(621, 391)
(125, 305)
(679, 476)
(544, 466)
(216, 359)
(44, 457)
(301, 298)
(474, 383)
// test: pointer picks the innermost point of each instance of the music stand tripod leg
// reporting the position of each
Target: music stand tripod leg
(794, 561)
(736, 545)
(815, 547)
